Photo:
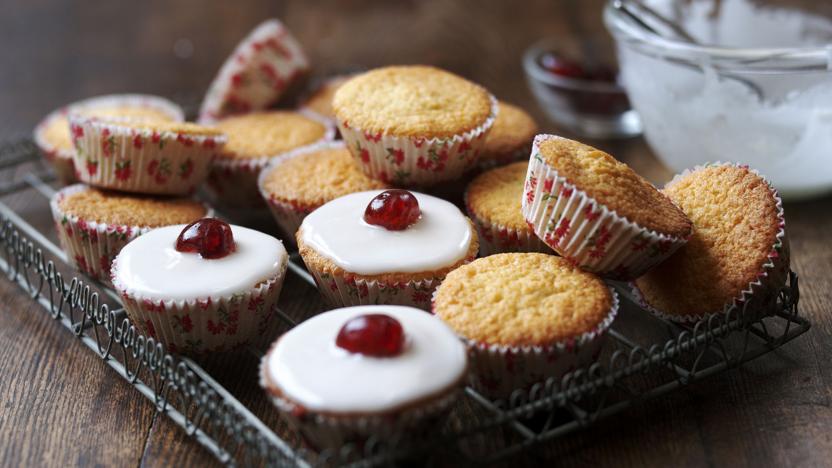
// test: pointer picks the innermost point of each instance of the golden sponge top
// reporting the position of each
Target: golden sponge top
(262, 134)
(522, 299)
(513, 130)
(130, 210)
(495, 196)
(57, 130)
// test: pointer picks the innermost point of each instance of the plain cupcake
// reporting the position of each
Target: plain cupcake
(525, 317)
(263, 68)
(414, 125)
(93, 225)
(320, 100)
(510, 139)
(203, 287)
(597, 212)
(253, 141)
(386, 372)
(385, 247)
(493, 201)
(52, 133)
(140, 156)
(300, 182)
(738, 255)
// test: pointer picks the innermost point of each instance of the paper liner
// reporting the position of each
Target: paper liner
(416, 162)
(325, 430)
(761, 294)
(499, 370)
(205, 324)
(91, 246)
(586, 232)
(351, 290)
(116, 156)
(61, 160)
(290, 215)
(233, 182)
(259, 71)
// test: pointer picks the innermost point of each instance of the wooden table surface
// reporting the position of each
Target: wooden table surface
(59, 405)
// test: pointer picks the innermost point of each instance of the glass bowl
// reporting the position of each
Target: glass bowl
(595, 109)
(762, 98)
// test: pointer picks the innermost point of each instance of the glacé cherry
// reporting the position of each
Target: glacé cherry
(209, 237)
(376, 335)
(393, 209)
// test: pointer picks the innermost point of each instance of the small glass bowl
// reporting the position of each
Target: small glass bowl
(594, 109)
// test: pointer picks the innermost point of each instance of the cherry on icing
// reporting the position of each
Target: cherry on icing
(209, 237)
(376, 335)
(394, 209)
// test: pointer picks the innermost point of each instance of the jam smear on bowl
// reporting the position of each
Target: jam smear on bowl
(375, 335)
(394, 210)
(209, 237)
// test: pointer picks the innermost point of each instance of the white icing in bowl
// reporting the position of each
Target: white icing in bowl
(151, 267)
(309, 369)
(338, 232)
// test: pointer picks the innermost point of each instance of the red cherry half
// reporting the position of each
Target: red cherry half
(376, 335)
(209, 237)
(394, 209)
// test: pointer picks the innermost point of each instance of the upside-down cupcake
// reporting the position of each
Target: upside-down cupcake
(738, 255)
(414, 125)
(300, 182)
(597, 212)
(263, 67)
(387, 372)
(202, 287)
(148, 157)
(510, 139)
(492, 200)
(384, 247)
(525, 317)
(254, 140)
(93, 225)
(52, 133)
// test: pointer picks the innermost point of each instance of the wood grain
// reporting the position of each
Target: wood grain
(60, 405)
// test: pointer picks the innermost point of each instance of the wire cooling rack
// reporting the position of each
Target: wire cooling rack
(644, 357)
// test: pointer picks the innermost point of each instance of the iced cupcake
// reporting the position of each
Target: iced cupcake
(387, 372)
(510, 139)
(263, 67)
(297, 184)
(254, 140)
(597, 212)
(147, 157)
(414, 125)
(738, 255)
(207, 286)
(93, 225)
(52, 133)
(525, 317)
(492, 200)
(384, 247)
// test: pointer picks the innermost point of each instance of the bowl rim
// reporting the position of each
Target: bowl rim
(536, 71)
(805, 58)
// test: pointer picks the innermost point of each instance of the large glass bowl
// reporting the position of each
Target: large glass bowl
(763, 97)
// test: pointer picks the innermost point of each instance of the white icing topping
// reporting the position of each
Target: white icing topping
(151, 267)
(311, 370)
(338, 232)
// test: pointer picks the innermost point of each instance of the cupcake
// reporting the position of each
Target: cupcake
(384, 247)
(253, 140)
(148, 157)
(738, 255)
(202, 287)
(267, 63)
(492, 200)
(387, 372)
(320, 100)
(525, 317)
(597, 212)
(510, 139)
(297, 184)
(93, 225)
(413, 125)
(52, 133)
